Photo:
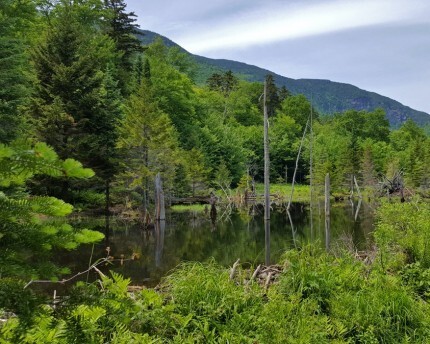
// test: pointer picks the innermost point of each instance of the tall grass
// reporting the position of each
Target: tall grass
(318, 298)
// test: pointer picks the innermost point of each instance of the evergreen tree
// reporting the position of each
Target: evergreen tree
(283, 94)
(99, 146)
(224, 83)
(272, 98)
(214, 82)
(16, 18)
(122, 28)
(149, 143)
(75, 105)
(196, 169)
(147, 70)
(181, 183)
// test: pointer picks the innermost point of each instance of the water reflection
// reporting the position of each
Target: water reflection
(159, 239)
(225, 234)
(267, 241)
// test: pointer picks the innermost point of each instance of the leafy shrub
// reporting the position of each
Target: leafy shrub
(403, 234)
(14, 298)
(417, 278)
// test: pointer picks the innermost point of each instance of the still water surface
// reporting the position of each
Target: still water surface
(235, 233)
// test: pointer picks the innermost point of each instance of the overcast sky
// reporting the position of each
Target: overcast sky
(378, 45)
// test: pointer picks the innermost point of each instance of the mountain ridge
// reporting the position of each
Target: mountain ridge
(327, 96)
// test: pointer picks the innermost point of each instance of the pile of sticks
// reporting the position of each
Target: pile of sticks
(263, 275)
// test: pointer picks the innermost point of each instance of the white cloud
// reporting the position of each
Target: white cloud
(293, 20)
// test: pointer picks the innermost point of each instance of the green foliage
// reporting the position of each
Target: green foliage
(319, 299)
(15, 72)
(222, 177)
(224, 83)
(26, 231)
(359, 143)
(196, 170)
(417, 278)
(403, 234)
(172, 91)
(149, 142)
(284, 135)
(272, 98)
(122, 29)
(76, 105)
(14, 299)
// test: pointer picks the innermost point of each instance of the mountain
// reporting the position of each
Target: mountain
(327, 96)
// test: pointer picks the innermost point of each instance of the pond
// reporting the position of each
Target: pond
(235, 233)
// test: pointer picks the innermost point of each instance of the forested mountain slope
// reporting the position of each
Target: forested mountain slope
(327, 96)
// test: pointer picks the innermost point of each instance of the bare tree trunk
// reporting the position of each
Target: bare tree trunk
(297, 166)
(107, 211)
(358, 188)
(160, 212)
(311, 138)
(327, 211)
(266, 180)
(266, 159)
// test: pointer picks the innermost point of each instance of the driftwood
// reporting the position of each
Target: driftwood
(264, 275)
(254, 275)
(391, 186)
(233, 269)
(65, 280)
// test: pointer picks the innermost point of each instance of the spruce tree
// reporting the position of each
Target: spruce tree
(273, 102)
(16, 18)
(76, 103)
(149, 144)
(122, 29)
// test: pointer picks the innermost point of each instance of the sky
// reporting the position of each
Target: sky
(381, 46)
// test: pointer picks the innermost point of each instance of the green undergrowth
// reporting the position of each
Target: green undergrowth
(189, 207)
(318, 298)
(283, 191)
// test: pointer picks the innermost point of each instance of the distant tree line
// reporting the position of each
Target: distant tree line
(74, 75)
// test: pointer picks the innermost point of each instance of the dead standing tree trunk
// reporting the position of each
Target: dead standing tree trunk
(160, 212)
(266, 178)
(327, 211)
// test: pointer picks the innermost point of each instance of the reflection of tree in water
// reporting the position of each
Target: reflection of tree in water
(190, 236)
(160, 226)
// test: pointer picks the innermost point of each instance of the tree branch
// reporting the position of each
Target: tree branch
(92, 267)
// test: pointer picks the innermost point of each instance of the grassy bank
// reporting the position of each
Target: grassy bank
(283, 191)
(318, 297)
(189, 207)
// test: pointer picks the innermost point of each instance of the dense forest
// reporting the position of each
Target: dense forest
(89, 117)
